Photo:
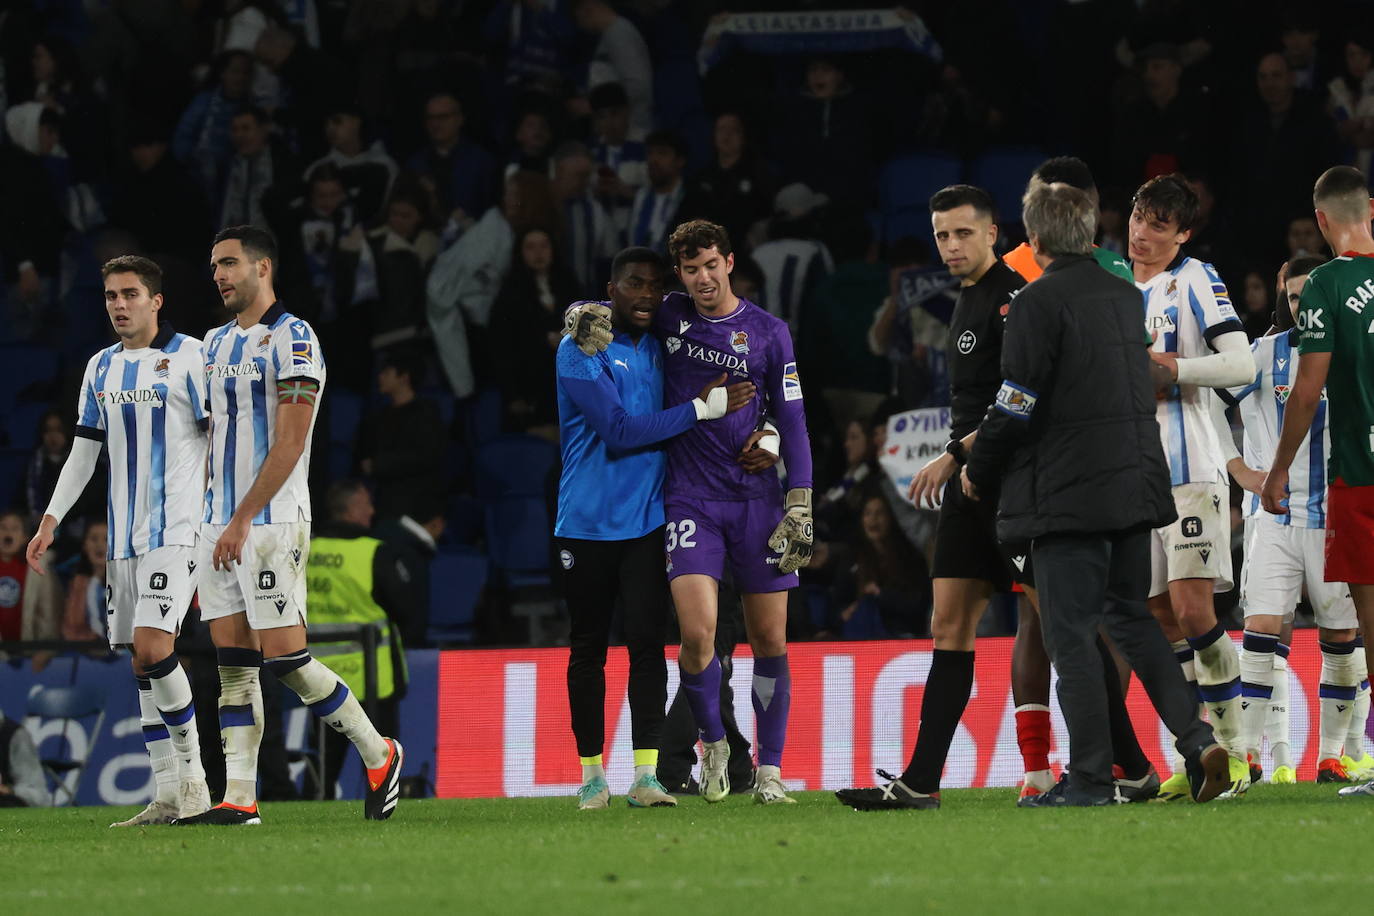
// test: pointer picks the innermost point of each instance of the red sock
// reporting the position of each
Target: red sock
(1033, 735)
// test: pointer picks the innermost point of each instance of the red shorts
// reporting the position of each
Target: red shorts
(1349, 533)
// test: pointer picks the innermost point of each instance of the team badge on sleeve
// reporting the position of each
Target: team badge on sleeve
(1015, 400)
(302, 354)
(791, 383)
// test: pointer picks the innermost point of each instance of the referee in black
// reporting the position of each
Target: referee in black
(1073, 445)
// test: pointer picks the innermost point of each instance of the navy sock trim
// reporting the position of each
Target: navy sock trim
(143, 683)
(1335, 692)
(1218, 693)
(1183, 655)
(329, 704)
(162, 668)
(1282, 650)
(1259, 642)
(1206, 639)
(234, 657)
(153, 733)
(235, 716)
(1256, 690)
(179, 716)
(282, 665)
(1336, 648)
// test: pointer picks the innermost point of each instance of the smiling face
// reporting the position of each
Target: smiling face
(635, 294)
(237, 277)
(132, 311)
(707, 278)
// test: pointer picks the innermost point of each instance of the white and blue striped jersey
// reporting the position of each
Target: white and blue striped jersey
(1187, 307)
(242, 368)
(148, 406)
(1261, 411)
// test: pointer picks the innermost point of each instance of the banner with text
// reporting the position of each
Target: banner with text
(855, 708)
(816, 32)
(913, 438)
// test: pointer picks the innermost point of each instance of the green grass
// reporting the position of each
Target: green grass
(1281, 848)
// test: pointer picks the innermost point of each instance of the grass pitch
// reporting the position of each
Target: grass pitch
(1282, 848)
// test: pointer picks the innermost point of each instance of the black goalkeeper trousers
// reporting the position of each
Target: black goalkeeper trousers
(595, 576)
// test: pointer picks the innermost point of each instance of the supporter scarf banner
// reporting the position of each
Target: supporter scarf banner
(913, 438)
(855, 709)
(821, 32)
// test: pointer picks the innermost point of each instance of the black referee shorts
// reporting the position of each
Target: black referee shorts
(966, 545)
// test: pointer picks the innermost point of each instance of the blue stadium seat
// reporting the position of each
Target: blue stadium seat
(463, 521)
(905, 186)
(482, 416)
(519, 533)
(345, 416)
(21, 425)
(13, 462)
(457, 577)
(340, 460)
(33, 370)
(1003, 173)
(514, 465)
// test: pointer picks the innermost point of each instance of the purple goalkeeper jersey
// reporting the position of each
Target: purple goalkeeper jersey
(748, 345)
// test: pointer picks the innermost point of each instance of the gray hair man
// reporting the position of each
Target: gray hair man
(1073, 439)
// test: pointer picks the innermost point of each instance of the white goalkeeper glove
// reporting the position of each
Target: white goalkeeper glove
(793, 537)
(589, 325)
(713, 407)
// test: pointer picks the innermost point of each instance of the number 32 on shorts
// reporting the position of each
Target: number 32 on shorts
(681, 534)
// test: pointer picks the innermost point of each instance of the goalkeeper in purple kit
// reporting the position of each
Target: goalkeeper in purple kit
(718, 511)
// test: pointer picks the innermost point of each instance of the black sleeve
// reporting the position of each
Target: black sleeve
(394, 588)
(1029, 353)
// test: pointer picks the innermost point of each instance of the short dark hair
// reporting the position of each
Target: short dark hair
(339, 494)
(669, 138)
(1342, 192)
(254, 112)
(959, 195)
(694, 236)
(1069, 170)
(1303, 265)
(1168, 198)
(149, 273)
(637, 254)
(325, 171)
(257, 243)
(404, 361)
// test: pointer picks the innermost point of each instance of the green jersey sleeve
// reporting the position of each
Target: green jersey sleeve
(1113, 263)
(1316, 317)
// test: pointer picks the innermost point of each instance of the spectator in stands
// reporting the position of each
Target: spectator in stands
(588, 236)
(1257, 303)
(620, 162)
(1285, 142)
(1212, 240)
(30, 606)
(1169, 128)
(29, 247)
(310, 234)
(655, 209)
(22, 783)
(824, 136)
(621, 56)
(736, 189)
(261, 166)
(59, 85)
(887, 591)
(401, 445)
(833, 350)
(536, 39)
(746, 280)
(157, 200)
(311, 79)
(533, 143)
(460, 174)
(839, 508)
(793, 260)
(385, 272)
(466, 278)
(414, 540)
(359, 580)
(38, 131)
(1305, 239)
(40, 476)
(84, 617)
(911, 330)
(1350, 99)
(201, 142)
(366, 170)
(528, 320)
(1301, 37)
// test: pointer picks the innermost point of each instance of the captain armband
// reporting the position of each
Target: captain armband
(297, 391)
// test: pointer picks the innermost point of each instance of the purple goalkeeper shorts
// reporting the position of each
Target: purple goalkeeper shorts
(703, 533)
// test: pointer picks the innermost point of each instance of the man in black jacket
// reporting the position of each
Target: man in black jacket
(1073, 440)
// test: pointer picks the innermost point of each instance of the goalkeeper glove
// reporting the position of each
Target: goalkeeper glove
(589, 325)
(794, 535)
(712, 407)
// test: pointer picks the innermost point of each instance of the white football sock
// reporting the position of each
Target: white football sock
(172, 693)
(1337, 692)
(1276, 722)
(240, 728)
(159, 745)
(330, 699)
(1218, 680)
(1256, 688)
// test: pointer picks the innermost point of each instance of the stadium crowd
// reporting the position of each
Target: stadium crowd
(444, 177)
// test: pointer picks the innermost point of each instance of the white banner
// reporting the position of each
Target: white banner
(913, 438)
